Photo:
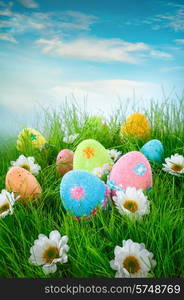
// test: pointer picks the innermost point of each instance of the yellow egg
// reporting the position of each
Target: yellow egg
(136, 125)
(23, 184)
(30, 138)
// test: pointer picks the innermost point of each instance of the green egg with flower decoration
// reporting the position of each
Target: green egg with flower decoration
(96, 126)
(96, 122)
(30, 138)
(90, 154)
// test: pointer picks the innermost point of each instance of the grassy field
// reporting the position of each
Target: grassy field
(92, 241)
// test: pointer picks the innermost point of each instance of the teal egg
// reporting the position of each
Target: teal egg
(153, 150)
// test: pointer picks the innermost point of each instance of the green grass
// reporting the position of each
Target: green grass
(92, 241)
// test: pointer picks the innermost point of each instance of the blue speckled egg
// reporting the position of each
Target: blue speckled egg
(82, 193)
(154, 151)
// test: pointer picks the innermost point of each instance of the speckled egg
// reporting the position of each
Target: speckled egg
(23, 184)
(30, 138)
(83, 193)
(136, 125)
(132, 169)
(154, 151)
(64, 161)
(89, 155)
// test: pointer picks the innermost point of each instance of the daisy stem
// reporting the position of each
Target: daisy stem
(173, 185)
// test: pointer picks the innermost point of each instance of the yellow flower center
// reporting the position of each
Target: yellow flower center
(26, 167)
(4, 207)
(131, 264)
(177, 167)
(131, 205)
(50, 254)
(88, 152)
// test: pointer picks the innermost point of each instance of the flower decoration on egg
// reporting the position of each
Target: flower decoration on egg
(27, 163)
(112, 186)
(33, 137)
(88, 152)
(174, 165)
(132, 202)
(132, 260)
(89, 155)
(7, 201)
(48, 251)
(77, 193)
(140, 169)
(132, 170)
(83, 193)
(30, 138)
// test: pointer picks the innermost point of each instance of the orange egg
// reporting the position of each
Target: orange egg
(136, 125)
(23, 184)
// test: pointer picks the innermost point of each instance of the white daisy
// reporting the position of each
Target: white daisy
(27, 163)
(174, 164)
(106, 168)
(114, 154)
(132, 202)
(132, 260)
(101, 171)
(48, 251)
(7, 201)
(70, 138)
(98, 172)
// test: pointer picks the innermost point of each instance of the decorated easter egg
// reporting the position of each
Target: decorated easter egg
(136, 125)
(153, 150)
(64, 161)
(22, 183)
(83, 193)
(89, 155)
(30, 138)
(97, 128)
(131, 170)
(96, 122)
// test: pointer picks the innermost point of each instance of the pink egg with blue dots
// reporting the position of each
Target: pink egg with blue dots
(82, 193)
(131, 170)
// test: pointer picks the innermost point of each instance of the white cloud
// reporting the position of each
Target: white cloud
(46, 23)
(77, 20)
(29, 3)
(7, 37)
(5, 10)
(160, 54)
(100, 96)
(93, 49)
(104, 95)
(174, 68)
(179, 41)
(172, 19)
(101, 50)
(119, 87)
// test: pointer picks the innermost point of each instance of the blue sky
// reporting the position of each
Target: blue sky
(100, 50)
